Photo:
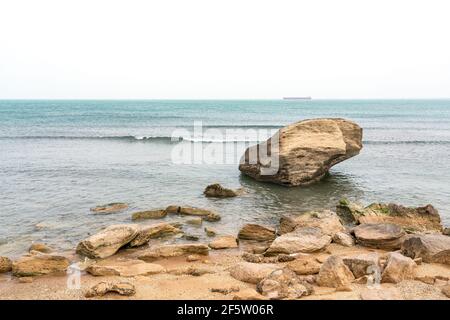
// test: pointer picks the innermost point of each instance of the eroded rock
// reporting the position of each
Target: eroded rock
(173, 250)
(40, 264)
(102, 288)
(327, 221)
(362, 264)
(304, 240)
(148, 214)
(5, 264)
(304, 265)
(334, 273)
(153, 231)
(224, 242)
(256, 232)
(379, 235)
(251, 272)
(429, 247)
(398, 268)
(344, 239)
(128, 268)
(110, 208)
(217, 191)
(283, 284)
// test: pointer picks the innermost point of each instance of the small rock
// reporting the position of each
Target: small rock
(173, 250)
(225, 291)
(110, 208)
(251, 272)
(248, 294)
(334, 273)
(194, 257)
(191, 237)
(40, 247)
(217, 191)
(304, 266)
(256, 232)
(173, 209)
(286, 257)
(5, 264)
(398, 268)
(253, 258)
(210, 232)
(446, 232)
(224, 242)
(304, 240)
(191, 271)
(40, 264)
(25, 279)
(446, 290)
(102, 288)
(149, 214)
(207, 215)
(283, 284)
(344, 239)
(195, 221)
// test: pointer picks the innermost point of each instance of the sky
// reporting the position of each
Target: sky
(229, 49)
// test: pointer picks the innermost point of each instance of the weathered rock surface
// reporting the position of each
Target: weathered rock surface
(128, 268)
(413, 220)
(398, 268)
(210, 232)
(207, 215)
(304, 240)
(362, 264)
(5, 264)
(217, 191)
(325, 220)
(252, 272)
(429, 247)
(224, 242)
(304, 265)
(303, 152)
(379, 235)
(40, 247)
(344, 239)
(334, 273)
(107, 242)
(283, 284)
(153, 231)
(195, 221)
(173, 250)
(102, 288)
(256, 232)
(40, 264)
(148, 214)
(110, 208)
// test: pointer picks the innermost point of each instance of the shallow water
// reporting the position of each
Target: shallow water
(59, 158)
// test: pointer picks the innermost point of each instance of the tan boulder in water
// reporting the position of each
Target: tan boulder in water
(325, 220)
(303, 152)
(217, 191)
(205, 214)
(110, 208)
(148, 214)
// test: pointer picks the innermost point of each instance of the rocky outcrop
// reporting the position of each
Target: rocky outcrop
(173, 250)
(304, 265)
(102, 288)
(379, 235)
(398, 268)
(5, 264)
(205, 214)
(429, 247)
(40, 247)
(224, 242)
(128, 268)
(283, 284)
(344, 239)
(110, 208)
(334, 273)
(153, 231)
(40, 264)
(325, 220)
(304, 240)
(107, 242)
(362, 264)
(217, 191)
(252, 272)
(303, 152)
(256, 232)
(413, 220)
(149, 214)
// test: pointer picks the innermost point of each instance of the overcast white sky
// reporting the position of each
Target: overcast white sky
(224, 49)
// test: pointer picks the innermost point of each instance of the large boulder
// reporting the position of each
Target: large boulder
(429, 247)
(217, 191)
(362, 264)
(173, 250)
(5, 264)
(334, 273)
(380, 235)
(398, 268)
(40, 264)
(283, 284)
(413, 220)
(304, 240)
(223, 242)
(128, 268)
(107, 242)
(325, 220)
(303, 152)
(153, 231)
(252, 272)
(256, 232)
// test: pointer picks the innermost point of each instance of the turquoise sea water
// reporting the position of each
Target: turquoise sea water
(59, 158)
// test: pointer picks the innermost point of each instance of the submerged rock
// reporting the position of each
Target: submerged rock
(129, 268)
(205, 214)
(5, 264)
(149, 214)
(252, 272)
(430, 247)
(256, 232)
(398, 268)
(303, 152)
(153, 231)
(210, 232)
(102, 288)
(217, 191)
(304, 240)
(325, 220)
(379, 235)
(283, 284)
(334, 273)
(107, 242)
(40, 264)
(224, 242)
(110, 208)
(40, 247)
(173, 250)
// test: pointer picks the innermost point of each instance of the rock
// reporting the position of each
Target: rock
(286, 257)
(304, 240)
(40, 264)
(325, 220)
(430, 247)
(173, 250)
(256, 232)
(251, 272)
(193, 257)
(248, 294)
(110, 208)
(25, 279)
(253, 258)
(381, 294)
(398, 268)
(5, 264)
(107, 242)
(173, 209)
(379, 235)
(224, 242)
(362, 264)
(191, 237)
(195, 221)
(225, 291)
(413, 220)
(446, 232)
(303, 152)
(283, 284)
(128, 268)
(102, 288)
(304, 265)
(343, 239)
(217, 191)
(205, 214)
(153, 231)
(446, 290)
(40, 247)
(191, 271)
(425, 279)
(149, 214)
(210, 232)
(334, 273)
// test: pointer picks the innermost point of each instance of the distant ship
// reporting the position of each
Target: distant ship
(297, 98)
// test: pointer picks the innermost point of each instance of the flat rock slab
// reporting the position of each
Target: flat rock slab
(430, 247)
(325, 220)
(304, 240)
(304, 265)
(128, 268)
(102, 288)
(173, 250)
(224, 242)
(153, 231)
(40, 264)
(252, 272)
(256, 232)
(379, 235)
(205, 214)
(148, 214)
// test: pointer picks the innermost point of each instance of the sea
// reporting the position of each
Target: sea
(59, 158)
